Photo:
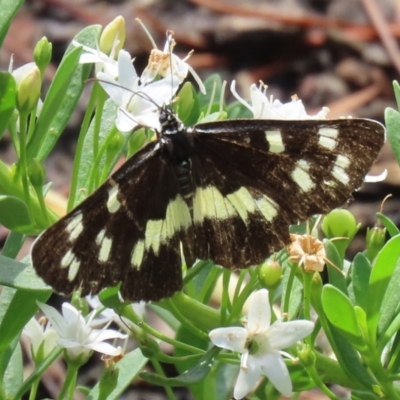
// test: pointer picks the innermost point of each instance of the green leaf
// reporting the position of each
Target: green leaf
(17, 308)
(391, 301)
(396, 88)
(358, 395)
(382, 271)
(124, 372)
(8, 10)
(20, 276)
(62, 97)
(389, 225)
(336, 277)
(194, 375)
(185, 106)
(204, 99)
(340, 313)
(14, 214)
(392, 121)
(8, 92)
(360, 274)
(13, 244)
(11, 368)
(87, 160)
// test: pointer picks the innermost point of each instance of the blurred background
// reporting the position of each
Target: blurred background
(342, 54)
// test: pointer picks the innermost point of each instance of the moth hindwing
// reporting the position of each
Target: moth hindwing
(225, 191)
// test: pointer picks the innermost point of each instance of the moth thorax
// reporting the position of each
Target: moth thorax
(184, 176)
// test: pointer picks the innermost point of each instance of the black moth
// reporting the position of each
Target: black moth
(225, 191)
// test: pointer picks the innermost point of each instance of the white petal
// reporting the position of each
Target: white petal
(71, 314)
(105, 348)
(68, 344)
(259, 317)
(56, 320)
(232, 338)
(101, 335)
(125, 122)
(127, 75)
(275, 369)
(260, 103)
(35, 332)
(284, 334)
(22, 71)
(236, 95)
(247, 379)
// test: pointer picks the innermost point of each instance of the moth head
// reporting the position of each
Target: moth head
(170, 123)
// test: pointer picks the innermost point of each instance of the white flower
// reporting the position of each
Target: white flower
(43, 338)
(266, 108)
(138, 104)
(260, 344)
(76, 334)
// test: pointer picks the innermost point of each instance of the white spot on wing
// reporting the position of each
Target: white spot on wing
(302, 177)
(137, 254)
(327, 142)
(75, 227)
(105, 249)
(328, 132)
(268, 208)
(73, 269)
(274, 138)
(113, 203)
(67, 259)
(342, 161)
(340, 175)
(243, 202)
(209, 203)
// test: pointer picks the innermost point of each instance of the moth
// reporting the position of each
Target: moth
(225, 191)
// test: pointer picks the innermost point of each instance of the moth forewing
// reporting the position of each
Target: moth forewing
(225, 191)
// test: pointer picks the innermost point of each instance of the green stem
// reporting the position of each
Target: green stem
(286, 301)
(23, 162)
(38, 372)
(68, 388)
(160, 371)
(226, 305)
(128, 313)
(79, 148)
(34, 388)
(40, 197)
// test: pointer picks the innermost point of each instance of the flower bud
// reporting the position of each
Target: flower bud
(150, 348)
(36, 173)
(340, 223)
(375, 241)
(306, 356)
(114, 31)
(28, 91)
(270, 273)
(42, 54)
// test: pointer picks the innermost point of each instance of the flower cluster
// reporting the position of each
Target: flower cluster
(72, 332)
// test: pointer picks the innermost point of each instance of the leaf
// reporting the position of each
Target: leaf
(18, 307)
(119, 378)
(392, 121)
(340, 313)
(382, 271)
(390, 303)
(11, 368)
(18, 275)
(67, 85)
(336, 277)
(389, 225)
(14, 214)
(360, 272)
(8, 10)
(8, 92)
(194, 375)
